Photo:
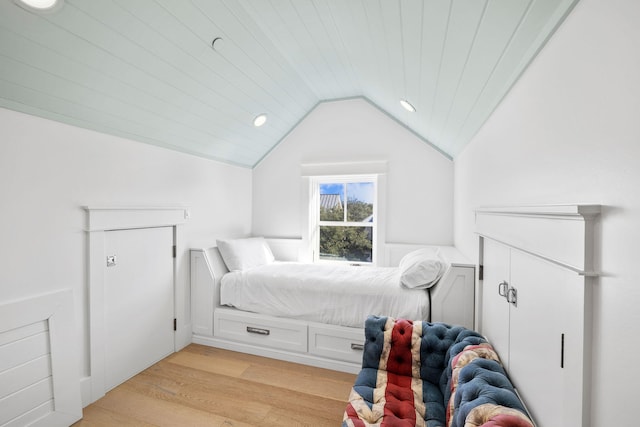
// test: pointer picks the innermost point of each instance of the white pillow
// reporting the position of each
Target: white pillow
(422, 268)
(242, 254)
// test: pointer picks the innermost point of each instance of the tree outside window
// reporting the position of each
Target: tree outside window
(346, 221)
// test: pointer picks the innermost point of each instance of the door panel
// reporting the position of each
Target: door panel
(139, 295)
(542, 315)
(495, 310)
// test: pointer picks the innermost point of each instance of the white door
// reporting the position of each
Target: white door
(495, 309)
(138, 301)
(544, 351)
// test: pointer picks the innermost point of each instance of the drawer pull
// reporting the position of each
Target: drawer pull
(356, 346)
(258, 331)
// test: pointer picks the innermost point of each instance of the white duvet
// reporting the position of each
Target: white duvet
(339, 295)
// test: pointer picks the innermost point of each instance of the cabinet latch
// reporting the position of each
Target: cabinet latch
(512, 296)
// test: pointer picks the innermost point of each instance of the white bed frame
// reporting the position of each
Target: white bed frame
(317, 344)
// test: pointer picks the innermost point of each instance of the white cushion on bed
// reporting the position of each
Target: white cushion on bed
(422, 268)
(242, 254)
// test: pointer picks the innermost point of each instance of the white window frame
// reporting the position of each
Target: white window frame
(314, 214)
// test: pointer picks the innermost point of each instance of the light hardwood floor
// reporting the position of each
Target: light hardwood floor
(205, 386)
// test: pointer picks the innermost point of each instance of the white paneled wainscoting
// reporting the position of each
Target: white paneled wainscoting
(39, 374)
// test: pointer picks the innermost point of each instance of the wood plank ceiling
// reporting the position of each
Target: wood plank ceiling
(146, 69)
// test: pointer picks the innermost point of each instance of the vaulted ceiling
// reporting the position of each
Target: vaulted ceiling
(148, 70)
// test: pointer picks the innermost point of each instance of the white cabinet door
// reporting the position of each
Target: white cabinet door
(495, 310)
(543, 318)
(138, 301)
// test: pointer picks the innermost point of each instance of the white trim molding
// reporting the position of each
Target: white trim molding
(375, 167)
(101, 219)
(561, 234)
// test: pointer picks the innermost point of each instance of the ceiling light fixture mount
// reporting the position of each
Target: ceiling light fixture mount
(407, 106)
(41, 6)
(216, 43)
(259, 120)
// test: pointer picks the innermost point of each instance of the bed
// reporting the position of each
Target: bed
(256, 300)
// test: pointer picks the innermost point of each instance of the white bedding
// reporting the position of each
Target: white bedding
(339, 295)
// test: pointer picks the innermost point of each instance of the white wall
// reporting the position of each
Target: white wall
(49, 170)
(570, 132)
(419, 178)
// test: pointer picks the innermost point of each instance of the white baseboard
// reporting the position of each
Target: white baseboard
(305, 359)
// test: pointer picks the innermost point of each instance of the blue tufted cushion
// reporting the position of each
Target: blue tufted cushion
(434, 371)
(465, 338)
(434, 409)
(436, 340)
(365, 384)
(480, 382)
(439, 343)
(374, 341)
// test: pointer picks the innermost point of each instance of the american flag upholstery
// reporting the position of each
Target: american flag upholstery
(417, 373)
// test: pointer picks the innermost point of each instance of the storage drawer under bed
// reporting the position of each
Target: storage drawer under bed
(336, 342)
(251, 328)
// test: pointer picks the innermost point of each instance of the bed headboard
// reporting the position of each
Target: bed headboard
(395, 251)
(538, 267)
(285, 249)
(290, 249)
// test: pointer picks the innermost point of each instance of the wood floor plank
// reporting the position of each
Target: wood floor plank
(212, 398)
(202, 385)
(146, 409)
(221, 354)
(281, 417)
(95, 416)
(231, 367)
(293, 380)
(232, 392)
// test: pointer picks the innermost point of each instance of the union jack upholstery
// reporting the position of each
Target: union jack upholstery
(417, 373)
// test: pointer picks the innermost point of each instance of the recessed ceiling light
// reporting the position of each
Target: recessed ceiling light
(260, 120)
(407, 106)
(40, 5)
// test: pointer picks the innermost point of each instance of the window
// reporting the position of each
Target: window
(345, 219)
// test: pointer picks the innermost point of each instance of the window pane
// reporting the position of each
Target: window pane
(346, 243)
(331, 202)
(360, 202)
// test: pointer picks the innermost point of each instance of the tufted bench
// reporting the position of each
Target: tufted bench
(417, 373)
